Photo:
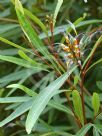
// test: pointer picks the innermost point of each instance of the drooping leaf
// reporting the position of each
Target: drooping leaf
(23, 88)
(42, 100)
(21, 62)
(19, 82)
(13, 44)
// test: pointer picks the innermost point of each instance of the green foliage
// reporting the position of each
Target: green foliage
(23, 88)
(13, 44)
(76, 79)
(22, 62)
(84, 130)
(36, 20)
(93, 50)
(38, 91)
(95, 103)
(99, 84)
(31, 34)
(78, 105)
(42, 100)
(59, 3)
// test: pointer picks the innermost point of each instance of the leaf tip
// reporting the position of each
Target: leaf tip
(28, 130)
(18, 6)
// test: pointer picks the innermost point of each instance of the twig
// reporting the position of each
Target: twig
(8, 20)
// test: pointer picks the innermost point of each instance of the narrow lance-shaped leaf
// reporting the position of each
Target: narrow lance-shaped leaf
(19, 111)
(98, 127)
(27, 105)
(23, 88)
(23, 63)
(14, 99)
(24, 56)
(32, 35)
(95, 103)
(19, 6)
(56, 105)
(42, 100)
(59, 3)
(95, 132)
(95, 63)
(31, 61)
(78, 23)
(93, 50)
(78, 105)
(84, 130)
(36, 20)
(14, 45)
(31, 92)
(69, 28)
(17, 75)
(72, 26)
